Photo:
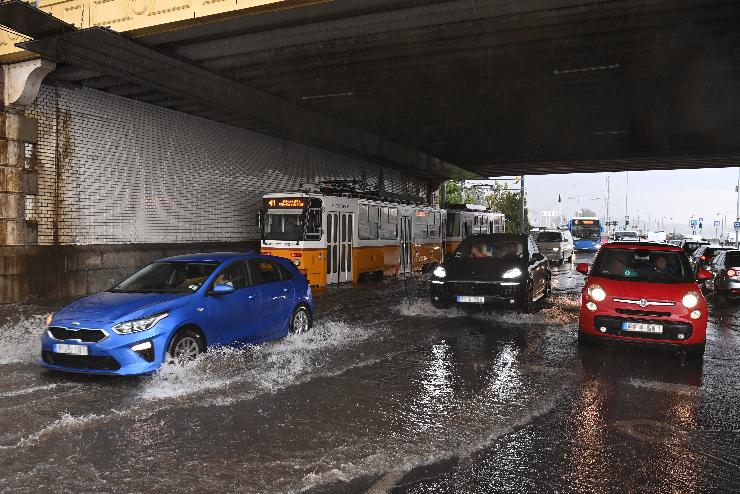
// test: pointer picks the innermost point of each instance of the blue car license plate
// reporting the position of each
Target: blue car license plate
(70, 349)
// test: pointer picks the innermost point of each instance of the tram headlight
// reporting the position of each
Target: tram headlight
(440, 272)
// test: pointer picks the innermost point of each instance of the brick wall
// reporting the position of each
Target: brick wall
(116, 171)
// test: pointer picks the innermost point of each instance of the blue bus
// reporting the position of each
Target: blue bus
(586, 232)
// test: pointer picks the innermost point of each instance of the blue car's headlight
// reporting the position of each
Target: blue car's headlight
(512, 273)
(137, 325)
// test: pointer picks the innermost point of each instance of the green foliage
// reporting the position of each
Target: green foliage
(586, 212)
(495, 197)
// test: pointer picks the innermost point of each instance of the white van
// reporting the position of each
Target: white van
(555, 245)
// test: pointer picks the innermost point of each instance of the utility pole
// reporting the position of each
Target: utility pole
(521, 210)
(737, 212)
(608, 219)
(627, 199)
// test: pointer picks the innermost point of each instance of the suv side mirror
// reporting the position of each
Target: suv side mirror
(537, 257)
(582, 267)
(704, 275)
(222, 289)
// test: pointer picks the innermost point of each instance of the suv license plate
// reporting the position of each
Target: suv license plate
(70, 349)
(640, 327)
(465, 299)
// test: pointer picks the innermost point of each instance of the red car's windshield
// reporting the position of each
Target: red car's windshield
(653, 266)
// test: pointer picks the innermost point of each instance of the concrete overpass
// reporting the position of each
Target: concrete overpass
(137, 128)
(491, 88)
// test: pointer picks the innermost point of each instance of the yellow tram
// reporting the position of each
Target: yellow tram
(337, 237)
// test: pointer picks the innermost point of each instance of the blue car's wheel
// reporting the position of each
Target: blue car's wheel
(301, 320)
(186, 345)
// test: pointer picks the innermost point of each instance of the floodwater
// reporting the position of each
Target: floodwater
(385, 394)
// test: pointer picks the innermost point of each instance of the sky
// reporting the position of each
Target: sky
(670, 196)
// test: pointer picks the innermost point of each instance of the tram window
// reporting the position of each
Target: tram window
(368, 224)
(313, 224)
(421, 227)
(453, 225)
(393, 216)
(434, 225)
(388, 229)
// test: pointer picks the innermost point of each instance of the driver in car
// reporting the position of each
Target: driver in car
(479, 250)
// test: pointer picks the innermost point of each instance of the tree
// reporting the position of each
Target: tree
(585, 212)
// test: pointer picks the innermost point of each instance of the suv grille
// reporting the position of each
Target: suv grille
(92, 362)
(86, 335)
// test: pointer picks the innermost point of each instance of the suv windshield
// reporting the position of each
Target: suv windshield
(549, 237)
(168, 277)
(490, 247)
(732, 259)
(712, 251)
(654, 266)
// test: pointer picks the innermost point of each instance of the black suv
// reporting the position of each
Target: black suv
(501, 269)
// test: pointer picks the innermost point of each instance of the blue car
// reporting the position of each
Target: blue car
(174, 309)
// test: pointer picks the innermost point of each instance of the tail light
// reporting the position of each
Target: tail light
(731, 272)
(703, 258)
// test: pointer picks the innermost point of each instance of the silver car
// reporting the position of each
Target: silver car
(726, 268)
(555, 245)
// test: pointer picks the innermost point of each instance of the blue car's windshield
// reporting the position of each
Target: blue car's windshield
(168, 277)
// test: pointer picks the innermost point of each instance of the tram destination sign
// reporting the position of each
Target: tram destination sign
(284, 202)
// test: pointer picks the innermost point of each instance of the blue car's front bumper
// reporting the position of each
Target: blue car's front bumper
(113, 355)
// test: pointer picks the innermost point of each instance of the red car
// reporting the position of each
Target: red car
(645, 293)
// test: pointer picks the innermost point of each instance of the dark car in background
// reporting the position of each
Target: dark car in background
(689, 246)
(499, 269)
(703, 258)
(726, 269)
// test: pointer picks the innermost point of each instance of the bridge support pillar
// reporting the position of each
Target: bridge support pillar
(18, 158)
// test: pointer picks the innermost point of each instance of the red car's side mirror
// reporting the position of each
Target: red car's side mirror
(704, 275)
(582, 267)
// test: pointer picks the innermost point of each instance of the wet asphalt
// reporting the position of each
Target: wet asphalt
(385, 394)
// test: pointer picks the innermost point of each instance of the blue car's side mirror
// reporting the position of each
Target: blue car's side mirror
(222, 289)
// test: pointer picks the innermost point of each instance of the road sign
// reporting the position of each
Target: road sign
(737, 225)
(626, 217)
(701, 220)
(717, 223)
(694, 222)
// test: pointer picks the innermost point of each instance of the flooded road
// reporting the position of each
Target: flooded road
(386, 394)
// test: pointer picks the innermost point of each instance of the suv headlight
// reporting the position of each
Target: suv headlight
(556, 249)
(597, 293)
(690, 300)
(512, 273)
(440, 272)
(138, 325)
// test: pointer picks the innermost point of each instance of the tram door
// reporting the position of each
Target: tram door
(405, 244)
(338, 247)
